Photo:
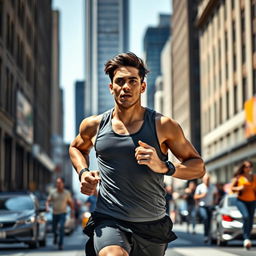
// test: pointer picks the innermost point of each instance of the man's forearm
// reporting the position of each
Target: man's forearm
(78, 159)
(190, 169)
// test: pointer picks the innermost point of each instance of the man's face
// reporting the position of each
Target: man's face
(127, 86)
(59, 184)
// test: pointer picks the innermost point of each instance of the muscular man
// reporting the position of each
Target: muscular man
(131, 144)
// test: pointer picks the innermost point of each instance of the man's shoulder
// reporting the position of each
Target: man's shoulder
(164, 120)
(90, 124)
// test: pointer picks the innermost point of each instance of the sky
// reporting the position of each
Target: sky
(143, 13)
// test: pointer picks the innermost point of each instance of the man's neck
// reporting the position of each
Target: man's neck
(128, 115)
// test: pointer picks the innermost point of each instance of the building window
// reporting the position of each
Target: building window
(243, 53)
(242, 20)
(20, 53)
(220, 111)
(215, 115)
(233, 4)
(254, 42)
(8, 92)
(227, 104)
(28, 69)
(21, 12)
(10, 34)
(235, 99)
(29, 32)
(234, 61)
(7, 162)
(244, 87)
(253, 10)
(234, 31)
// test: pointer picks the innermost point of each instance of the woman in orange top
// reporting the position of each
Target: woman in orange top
(244, 183)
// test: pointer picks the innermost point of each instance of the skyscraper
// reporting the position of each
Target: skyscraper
(154, 41)
(185, 70)
(107, 33)
(79, 101)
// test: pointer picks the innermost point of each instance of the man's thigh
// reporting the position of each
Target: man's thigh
(143, 247)
(105, 235)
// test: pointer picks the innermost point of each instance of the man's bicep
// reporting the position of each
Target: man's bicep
(180, 146)
(83, 143)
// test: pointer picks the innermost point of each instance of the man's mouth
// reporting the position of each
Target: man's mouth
(125, 96)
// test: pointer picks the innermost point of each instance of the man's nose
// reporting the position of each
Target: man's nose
(126, 86)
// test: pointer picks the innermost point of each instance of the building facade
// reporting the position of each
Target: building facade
(106, 35)
(228, 80)
(57, 114)
(25, 94)
(185, 70)
(154, 41)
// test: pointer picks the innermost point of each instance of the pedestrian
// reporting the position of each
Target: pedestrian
(131, 144)
(168, 197)
(244, 184)
(59, 198)
(191, 205)
(221, 192)
(206, 195)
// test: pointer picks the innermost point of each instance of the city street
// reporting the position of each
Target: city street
(185, 245)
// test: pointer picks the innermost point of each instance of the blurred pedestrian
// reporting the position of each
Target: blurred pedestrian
(168, 198)
(244, 184)
(59, 198)
(191, 205)
(221, 192)
(207, 195)
(131, 144)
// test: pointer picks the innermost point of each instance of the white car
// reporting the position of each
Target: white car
(227, 222)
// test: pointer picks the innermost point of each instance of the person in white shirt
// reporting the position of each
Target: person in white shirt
(206, 196)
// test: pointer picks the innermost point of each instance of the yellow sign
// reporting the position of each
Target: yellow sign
(250, 117)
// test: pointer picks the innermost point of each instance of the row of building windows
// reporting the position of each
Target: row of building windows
(17, 50)
(225, 142)
(24, 169)
(212, 73)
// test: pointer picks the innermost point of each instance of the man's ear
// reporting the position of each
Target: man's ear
(110, 86)
(143, 87)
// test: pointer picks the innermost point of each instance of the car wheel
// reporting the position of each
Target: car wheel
(33, 245)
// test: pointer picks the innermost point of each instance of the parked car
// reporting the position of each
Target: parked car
(227, 223)
(21, 219)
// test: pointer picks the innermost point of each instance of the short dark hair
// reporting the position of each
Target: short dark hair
(125, 59)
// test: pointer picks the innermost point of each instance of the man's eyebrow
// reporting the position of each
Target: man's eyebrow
(129, 77)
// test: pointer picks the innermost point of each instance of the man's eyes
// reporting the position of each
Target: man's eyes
(121, 82)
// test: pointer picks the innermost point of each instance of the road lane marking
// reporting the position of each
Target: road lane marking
(202, 251)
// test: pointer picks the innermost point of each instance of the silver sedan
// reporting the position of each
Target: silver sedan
(227, 222)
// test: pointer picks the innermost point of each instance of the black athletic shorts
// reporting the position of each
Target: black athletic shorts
(137, 238)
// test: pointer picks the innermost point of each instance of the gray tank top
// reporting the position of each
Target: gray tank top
(129, 191)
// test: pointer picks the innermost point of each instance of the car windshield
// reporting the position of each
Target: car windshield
(231, 201)
(16, 203)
